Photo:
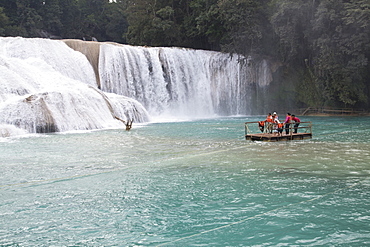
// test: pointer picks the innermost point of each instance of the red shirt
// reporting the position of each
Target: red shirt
(297, 120)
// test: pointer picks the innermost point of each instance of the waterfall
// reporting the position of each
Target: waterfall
(45, 86)
(181, 82)
(56, 86)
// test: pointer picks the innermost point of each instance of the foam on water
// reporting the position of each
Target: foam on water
(7, 130)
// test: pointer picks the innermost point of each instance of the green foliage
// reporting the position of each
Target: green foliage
(327, 42)
(244, 29)
(341, 42)
(51, 13)
(290, 20)
(28, 20)
(309, 91)
(3, 21)
(102, 19)
(206, 22)
(156, 23)
(71, 19)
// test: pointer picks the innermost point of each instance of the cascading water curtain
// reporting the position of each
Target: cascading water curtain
(178, 81)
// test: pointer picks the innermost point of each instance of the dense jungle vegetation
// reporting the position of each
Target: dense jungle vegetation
(323, 45)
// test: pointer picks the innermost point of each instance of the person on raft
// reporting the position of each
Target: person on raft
(296, 121)
(272, 124)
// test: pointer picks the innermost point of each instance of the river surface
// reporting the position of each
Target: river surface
(190, 183)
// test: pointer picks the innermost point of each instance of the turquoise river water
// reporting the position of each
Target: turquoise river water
(194, 183)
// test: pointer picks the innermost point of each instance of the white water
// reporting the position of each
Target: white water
(45, 86)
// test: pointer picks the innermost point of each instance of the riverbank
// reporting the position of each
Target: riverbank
(329, 111)
(367, 114)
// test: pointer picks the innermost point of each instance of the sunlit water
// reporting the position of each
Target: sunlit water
(196, 183)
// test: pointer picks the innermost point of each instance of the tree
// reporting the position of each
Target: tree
(116, 25)
(291, 20)
(3, 21)
(71, 19)
(340, 47)
(93, 15)
(203, 24)
(25, 17)
(242, 21)
(51, 14)
(152, 23)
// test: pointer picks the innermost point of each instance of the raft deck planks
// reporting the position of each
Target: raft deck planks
(275, 138)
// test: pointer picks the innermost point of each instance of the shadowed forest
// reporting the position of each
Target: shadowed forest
(322, 46)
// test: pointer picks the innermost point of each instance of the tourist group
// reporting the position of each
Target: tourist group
(272, 125)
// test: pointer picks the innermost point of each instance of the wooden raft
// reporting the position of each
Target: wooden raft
(274, 138)
(253, 133)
